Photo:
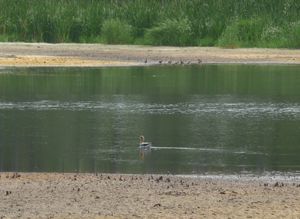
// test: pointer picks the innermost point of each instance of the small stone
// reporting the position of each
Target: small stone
(157, 205)
(276, 184)
(159, 179)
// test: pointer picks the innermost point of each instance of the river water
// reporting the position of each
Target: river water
(207, 119)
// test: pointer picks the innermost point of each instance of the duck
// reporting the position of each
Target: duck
(143, 143)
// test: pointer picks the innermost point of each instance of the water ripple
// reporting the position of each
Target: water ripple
(235, 109)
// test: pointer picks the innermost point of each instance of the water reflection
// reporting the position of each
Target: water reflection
(212, 118)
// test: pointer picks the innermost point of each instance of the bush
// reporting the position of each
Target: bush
(4, 38)
(287, 36)
(170, 32)
(273, 36)
(293, 35)
(115, 31)
(207, 41)
(76, 31)
(245, 32)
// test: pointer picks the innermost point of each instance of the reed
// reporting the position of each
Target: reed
(198, 22)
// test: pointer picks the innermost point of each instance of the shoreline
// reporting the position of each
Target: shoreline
(86, 195)
(99, 55)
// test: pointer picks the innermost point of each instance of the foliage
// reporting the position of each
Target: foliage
(227, 23)
(115, 31)
(244, 32)
(293, 35)
(170, 32)
(273, 36)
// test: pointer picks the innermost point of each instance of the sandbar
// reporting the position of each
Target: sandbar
(98, 55)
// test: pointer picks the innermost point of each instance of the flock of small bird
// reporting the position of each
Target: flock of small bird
(175, 62)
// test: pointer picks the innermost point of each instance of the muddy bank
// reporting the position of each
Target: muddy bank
(41, 54)
(52, 195)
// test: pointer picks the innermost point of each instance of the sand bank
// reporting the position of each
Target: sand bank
(93, 55)
(53, 195)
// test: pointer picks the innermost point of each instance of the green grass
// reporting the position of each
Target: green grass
(230, 23)
(115, 31)
(170, 32)
(242, 33)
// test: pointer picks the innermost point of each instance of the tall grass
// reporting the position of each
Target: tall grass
(170, 32)
(242, 33)
(229, 23)
(115, 31)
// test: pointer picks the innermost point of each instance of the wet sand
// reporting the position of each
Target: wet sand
(53, 195)
(93, 55)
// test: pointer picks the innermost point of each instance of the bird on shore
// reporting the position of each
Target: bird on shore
(144, 144)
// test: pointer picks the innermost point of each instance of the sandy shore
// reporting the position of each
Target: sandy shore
(52, 195)
(42, 54)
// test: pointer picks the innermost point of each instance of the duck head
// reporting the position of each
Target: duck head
(142, 139)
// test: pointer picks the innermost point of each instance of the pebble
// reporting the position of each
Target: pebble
(277, 184)
(157, 205)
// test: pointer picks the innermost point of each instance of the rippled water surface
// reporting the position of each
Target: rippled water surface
(200, 119)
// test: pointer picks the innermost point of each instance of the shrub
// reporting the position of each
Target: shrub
(76, 30)
(245, 32)
(207, 41)
(4, 38)
(273, 36)
(293, 35)
(49, 29)
(115, 31)
(287, 36)
(170, 32)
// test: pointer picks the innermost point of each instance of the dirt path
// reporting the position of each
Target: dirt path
(41, 54)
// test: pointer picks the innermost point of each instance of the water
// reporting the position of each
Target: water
(209, 119)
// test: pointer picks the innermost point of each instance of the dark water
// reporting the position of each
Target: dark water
(200, 119)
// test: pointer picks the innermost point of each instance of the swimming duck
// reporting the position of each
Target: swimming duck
(143, 143)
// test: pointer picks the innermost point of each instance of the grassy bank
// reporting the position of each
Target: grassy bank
(227, 23)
